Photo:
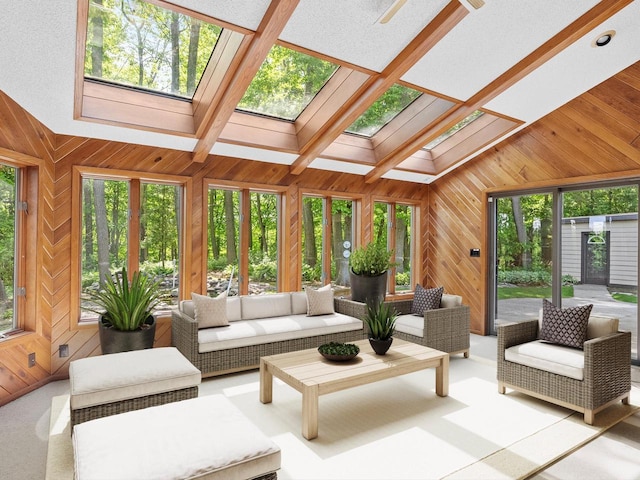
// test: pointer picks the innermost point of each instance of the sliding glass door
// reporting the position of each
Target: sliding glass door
(571, 246)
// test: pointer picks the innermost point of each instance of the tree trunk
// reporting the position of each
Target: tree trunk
(192, 61)
(262, 226)
(102, 231)
(213, 237)
(88, 222)
(230, 230)
(310, 249)
(175, 53)
(341, 263)
(401, 242)
(97, 44)
(525, 256)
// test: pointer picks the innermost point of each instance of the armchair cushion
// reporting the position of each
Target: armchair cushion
(565, 326)
(426, 299)
(558, 359)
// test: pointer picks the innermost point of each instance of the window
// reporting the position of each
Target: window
(394, 227)
(328, 227)
(285, 84)
(383, 110)
(453, 130)
(142, 45)
(117, 233)
(243, 256)
(9, 219)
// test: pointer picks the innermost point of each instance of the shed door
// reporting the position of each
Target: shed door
(595, 258)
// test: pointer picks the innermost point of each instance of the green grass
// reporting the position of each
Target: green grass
(625, 297)
(505, 293)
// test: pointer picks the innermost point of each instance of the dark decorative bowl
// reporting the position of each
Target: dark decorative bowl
(338, 352)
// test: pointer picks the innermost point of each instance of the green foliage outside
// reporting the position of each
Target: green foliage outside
(506, 293)
(625, 297)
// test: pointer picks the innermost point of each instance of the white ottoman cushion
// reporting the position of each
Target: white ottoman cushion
(122, 376)
(205, 437)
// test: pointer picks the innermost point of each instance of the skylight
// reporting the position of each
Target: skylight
(385, 109)
(285, 84)
(453, 130)
(141, 45)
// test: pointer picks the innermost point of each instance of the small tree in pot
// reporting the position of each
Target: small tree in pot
(368, 273)
(125, 307)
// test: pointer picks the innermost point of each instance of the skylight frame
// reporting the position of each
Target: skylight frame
(461, 125)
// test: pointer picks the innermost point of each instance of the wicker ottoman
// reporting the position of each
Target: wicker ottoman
(121, 382)
(205, 437)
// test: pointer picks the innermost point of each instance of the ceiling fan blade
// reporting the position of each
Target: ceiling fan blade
(391, 11)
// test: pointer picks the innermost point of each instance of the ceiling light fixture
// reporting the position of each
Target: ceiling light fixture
(603, 39)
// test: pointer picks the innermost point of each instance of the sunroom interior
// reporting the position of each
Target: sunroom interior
(367, 119)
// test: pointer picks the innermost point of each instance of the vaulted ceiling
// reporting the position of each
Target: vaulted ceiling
(514, 60)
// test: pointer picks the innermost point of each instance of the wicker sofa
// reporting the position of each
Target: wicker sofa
(259, 327)
(603, 364)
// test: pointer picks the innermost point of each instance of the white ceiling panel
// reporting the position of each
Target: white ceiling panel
(489, 41)
(244, 13)
(251, 153)
(575, 70)
(409, 176)
(349, 31)
(337, 166)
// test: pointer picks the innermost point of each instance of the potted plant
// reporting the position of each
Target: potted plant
(381, 322)
(124, 306)
(368, 273)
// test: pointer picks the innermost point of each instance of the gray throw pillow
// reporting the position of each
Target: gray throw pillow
(426, 299)
(565, 326)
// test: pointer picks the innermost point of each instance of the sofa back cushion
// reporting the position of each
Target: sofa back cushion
(320, 301)
(298, 303)
(233, 308)
(450, 301)
(210, 312)
(265, 306)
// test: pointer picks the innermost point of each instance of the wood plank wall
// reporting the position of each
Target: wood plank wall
(596, 136)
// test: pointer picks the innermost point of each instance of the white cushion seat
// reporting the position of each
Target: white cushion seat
(119, 377)
(205, 437)
(552, 358)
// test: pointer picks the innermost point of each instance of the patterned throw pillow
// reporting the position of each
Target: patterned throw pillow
(210, 312)
(320, 301)
(426, 299)
(565, 326)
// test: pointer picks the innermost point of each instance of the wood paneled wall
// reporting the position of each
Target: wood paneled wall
(594, 137)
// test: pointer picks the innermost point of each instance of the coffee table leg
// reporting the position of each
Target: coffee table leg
(266, 383)
(442, 377)
(310, 412)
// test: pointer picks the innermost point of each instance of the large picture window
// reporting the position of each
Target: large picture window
(9, 218)
(132, 223)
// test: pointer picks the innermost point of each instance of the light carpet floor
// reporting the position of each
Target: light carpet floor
(398, 428)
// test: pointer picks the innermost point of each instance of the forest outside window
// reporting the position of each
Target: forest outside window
(133, 224)
(394, 227)
(141, 45)
(10, 218)
(328, 227)
(243, 241)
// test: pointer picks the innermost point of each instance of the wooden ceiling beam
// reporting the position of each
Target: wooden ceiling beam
(576, 30)
(272, 24)
(376, 85)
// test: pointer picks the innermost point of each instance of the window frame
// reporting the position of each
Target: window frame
(135, 180)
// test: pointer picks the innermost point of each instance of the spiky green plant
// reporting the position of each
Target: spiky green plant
(381, 320)
(126, 305)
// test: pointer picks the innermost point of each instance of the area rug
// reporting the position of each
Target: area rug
(398, 428)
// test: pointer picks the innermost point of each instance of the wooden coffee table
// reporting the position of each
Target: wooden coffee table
(312, 375)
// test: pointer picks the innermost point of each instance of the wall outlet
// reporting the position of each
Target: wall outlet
(32, 359)
(63, 350)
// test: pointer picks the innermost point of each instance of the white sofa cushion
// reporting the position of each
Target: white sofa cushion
(410, 324)
(202, 437)
(558, 359)
(122, 376)
(234, 311)
(264, 306)
(320, 301)
(209, 311)
(273, 329)
(298, 303)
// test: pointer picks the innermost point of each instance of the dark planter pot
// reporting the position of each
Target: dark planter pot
(380, 346)
(367, 289)
(114, 341)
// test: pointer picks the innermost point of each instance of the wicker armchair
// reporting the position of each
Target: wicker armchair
(607, 372)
